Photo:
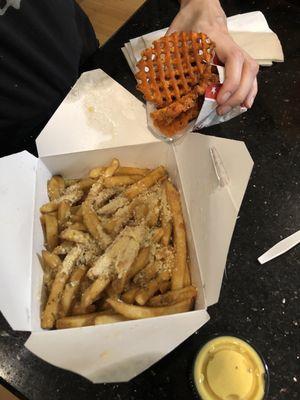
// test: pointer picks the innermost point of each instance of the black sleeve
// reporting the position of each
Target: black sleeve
(43, 46)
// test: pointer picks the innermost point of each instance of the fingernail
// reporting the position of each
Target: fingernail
(224, 110)
(225, 97)
(250, 102)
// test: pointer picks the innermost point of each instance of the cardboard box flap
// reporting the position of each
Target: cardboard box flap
(97, 113)
(115, 352)
(17, 188)
(214, 173)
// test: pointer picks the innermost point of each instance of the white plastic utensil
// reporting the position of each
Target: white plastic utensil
(280, 248)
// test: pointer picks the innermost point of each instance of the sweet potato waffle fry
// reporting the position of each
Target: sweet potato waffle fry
(114, 253)
(173, 74)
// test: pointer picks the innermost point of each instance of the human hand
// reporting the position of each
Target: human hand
(207, 16)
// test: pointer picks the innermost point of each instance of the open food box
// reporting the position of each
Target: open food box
(211, 174)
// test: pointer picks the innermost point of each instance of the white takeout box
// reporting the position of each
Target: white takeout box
(211, 174)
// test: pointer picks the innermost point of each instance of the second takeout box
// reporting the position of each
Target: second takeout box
(211, 174)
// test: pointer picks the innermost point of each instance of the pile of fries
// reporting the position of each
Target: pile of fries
(115, 248)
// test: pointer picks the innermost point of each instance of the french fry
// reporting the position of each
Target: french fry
(166, 218)
(55, 187)
(148, 273)
(75, 218)
(112, 168)
(157, 235)
(63, 213)
(164, 286)
(121, 180)
(173, 296)
(70, 181)
(105, 195)
(130, 294)
(114, 225)
(132, 171)
(138, 264)
(50, 313)
(93, 292)
(143, 184)
(51, 261)
(113, 206)
(138, 312)
(153, 215)
(95, 173)
(77, 321)
(78, 310)
(173, 198)
(63, 248)
(71, 289)
(187, 276)
(111, 292)
(76, 236)
(93, 225)
(109, 319)
(140, 211)
(82, 184)
(72, 197)
(78, 226)
(145, 293)
(51, 229)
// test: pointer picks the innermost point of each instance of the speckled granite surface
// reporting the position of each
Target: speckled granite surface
(260, 303)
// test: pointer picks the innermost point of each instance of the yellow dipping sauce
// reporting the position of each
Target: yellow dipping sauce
(228, 368)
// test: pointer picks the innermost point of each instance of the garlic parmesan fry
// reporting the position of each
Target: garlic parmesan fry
(72, 197)
(112, 168)
(51, 229)
(77, 320)
(173, 296)
(130, 294)
(55, 187)
(96, 172)
(50, 313)
(63, 213)
(132, 171)
(121, 180)
(138, 312)
(51, 260)
(109, 319)
(93, 292)
(173, 198)
(145, 183)
(94, 226)
(71, 289)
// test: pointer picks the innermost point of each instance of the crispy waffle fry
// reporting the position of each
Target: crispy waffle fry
(174, 65)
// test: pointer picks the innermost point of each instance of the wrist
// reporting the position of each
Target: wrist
(208, 13)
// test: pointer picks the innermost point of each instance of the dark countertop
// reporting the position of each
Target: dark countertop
(261, 303)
